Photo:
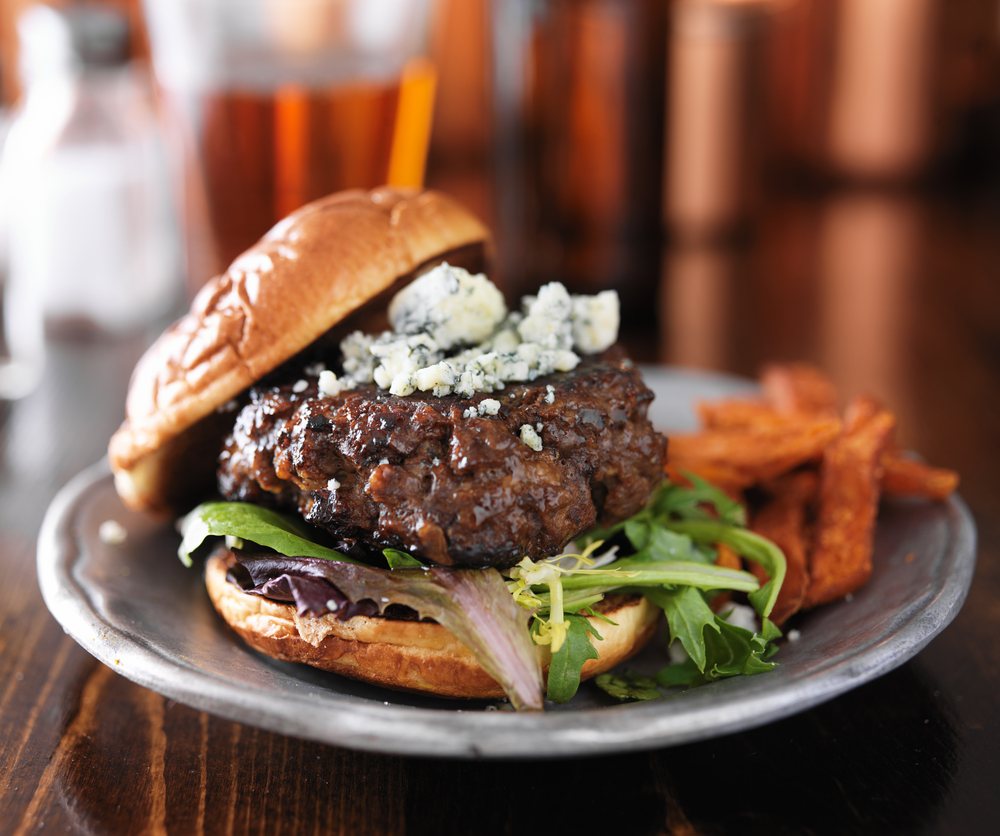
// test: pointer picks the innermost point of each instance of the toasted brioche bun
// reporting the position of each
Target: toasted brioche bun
(316, 267)
(414, 656)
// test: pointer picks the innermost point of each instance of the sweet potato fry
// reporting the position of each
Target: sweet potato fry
(848, 505)
(783, 521)
(798, 388)
(748, 455)
(905, 476)
(763, 443)
(860, 410)
(720, 474)
(737, 412)
(901, 474)
(728, 559)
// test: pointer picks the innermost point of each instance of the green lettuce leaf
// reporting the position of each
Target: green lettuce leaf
(250, 522)
(400, 560)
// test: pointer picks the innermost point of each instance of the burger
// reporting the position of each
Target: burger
(413, 481)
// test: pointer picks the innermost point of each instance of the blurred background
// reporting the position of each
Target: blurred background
(759, 179)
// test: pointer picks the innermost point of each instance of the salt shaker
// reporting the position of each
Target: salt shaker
(83, 184)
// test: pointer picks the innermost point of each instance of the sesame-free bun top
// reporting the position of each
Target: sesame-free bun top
(314, 268)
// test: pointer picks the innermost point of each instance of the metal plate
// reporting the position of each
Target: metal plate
(138, 610)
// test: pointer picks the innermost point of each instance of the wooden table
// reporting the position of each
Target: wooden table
(890, 292)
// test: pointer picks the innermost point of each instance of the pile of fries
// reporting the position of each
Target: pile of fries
(816, 477)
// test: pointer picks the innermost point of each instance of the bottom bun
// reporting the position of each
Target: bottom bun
(416, 656)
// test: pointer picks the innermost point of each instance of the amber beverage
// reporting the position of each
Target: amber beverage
(269, 104)
(579, 87)
(259, 156)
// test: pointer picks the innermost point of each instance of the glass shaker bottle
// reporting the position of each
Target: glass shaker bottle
(84, 201)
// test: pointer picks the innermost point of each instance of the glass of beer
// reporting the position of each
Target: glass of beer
(579, 92)
(269, 104)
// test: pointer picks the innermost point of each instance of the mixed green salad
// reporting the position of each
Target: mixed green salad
(667, 552)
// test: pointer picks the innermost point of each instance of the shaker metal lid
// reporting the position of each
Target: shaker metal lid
(73, 38)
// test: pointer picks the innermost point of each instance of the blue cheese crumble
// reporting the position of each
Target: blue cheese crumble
(530, 437)
(329, 384)
(487, 406)
(548, 318)
(450, 305)
(596, 320)
(452, 334)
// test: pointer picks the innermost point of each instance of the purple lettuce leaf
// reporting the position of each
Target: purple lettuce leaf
(312, 594)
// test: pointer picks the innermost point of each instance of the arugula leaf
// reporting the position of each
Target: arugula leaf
(687, 503)
(688, 617)
(665, 544)
(567, 662)
(682, 675)
(716, 648)
(734, 650)
(590, 612)
(770, 632)
(730, 651)
(579, 601)
(250, 522)
(671, 503)
(628, 686)
(650, 573)
(639, 533)
(750, 546)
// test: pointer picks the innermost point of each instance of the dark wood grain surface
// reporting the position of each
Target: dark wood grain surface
(891, 292)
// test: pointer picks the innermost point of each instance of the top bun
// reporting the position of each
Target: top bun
(314, 268)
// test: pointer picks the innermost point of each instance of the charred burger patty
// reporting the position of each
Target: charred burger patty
(451, 479)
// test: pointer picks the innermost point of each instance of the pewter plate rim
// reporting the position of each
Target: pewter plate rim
(108, 598)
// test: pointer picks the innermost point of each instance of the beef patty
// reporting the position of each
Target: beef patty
(414, 473)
